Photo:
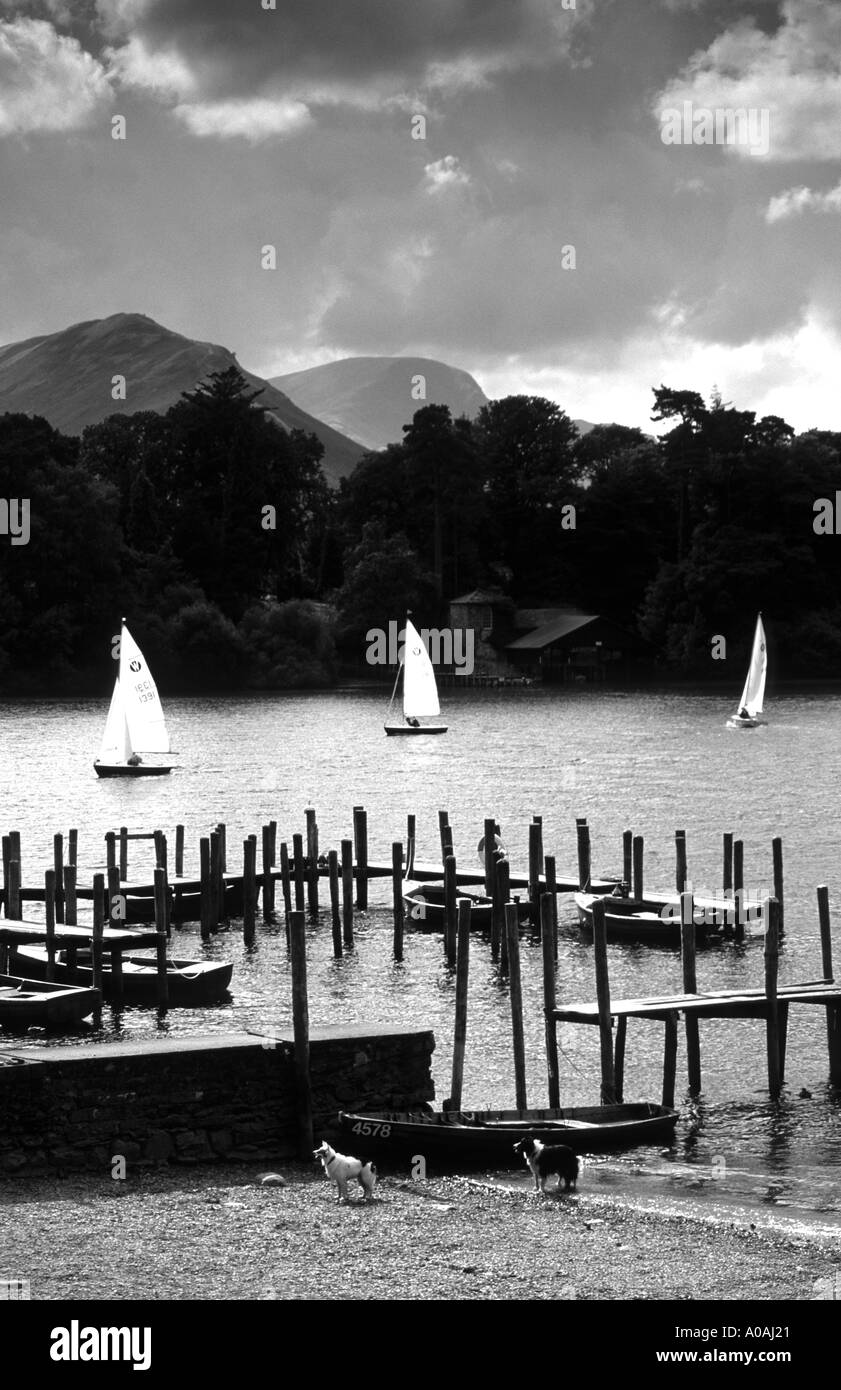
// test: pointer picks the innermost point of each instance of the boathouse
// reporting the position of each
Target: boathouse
(573, 646)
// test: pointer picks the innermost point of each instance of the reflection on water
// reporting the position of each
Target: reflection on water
(648, 762)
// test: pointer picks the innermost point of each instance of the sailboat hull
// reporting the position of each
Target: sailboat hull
(401, 729)
(123, 770)
(736, 723)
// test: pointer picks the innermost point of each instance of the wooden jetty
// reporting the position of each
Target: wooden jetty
(771, 1002)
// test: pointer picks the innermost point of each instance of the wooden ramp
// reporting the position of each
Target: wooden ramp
(733, 1003)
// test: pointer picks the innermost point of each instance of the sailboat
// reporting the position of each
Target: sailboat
(135, 722)
(750, 705)
(420, 692)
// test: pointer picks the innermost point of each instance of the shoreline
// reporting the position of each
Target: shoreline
(211, 1233)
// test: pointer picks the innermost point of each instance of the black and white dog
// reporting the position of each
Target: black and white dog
(341, 1168)
(544, 1162)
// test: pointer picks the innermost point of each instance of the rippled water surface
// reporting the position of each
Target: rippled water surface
(649, 762)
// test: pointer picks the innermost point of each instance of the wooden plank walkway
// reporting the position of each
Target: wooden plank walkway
(735, 1003)
(21, 933)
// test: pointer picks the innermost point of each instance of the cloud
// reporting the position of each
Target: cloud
(163, 72)
(796, 201)
(255, 120)
(795, 73)
(47, 81)
(444, 174)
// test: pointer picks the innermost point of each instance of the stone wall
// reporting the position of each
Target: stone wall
(195, 1100)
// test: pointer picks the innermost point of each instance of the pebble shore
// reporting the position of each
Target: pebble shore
(223, 1233)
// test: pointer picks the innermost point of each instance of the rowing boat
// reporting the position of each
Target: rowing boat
(189, 982)
(426, 910)
(491, 1134)
(656, 920)
(26, 1003)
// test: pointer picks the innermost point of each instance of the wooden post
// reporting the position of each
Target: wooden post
(268, 881)
(123, 853)
(552, 891)
(489, 854)
(501, 896)
(49, 906)
(160, 850)
(772, 1022)
(216, 879)
(550, 1025)
(73, 847)
(638, 851)
(14, 846)
(680, 861)
(627, 857)
(96, 940)
(333, 866)
(411, 833)
(462, 972)
(110, 849)
(179, 851)
(833, 1011)
(13, 890)
(249, 889)
(222, 832)
(298, 869)
(312, 861)
(58, 866)
(448, 841)
(347, 892)
(206, 900)
(739, 887)
(160, 939)
(443, 822)
(690, 986)
(301, 1029)
(619, 1057)
(512, 930)
(285, 880)
(116, 956)
(727, 868)
(7, 854)
(777, 850)
(450, 909)
(360, 841)
(70, 915)
(397, 895)
(583, 833)
(535, 861)
(669, 1058)
(603, 997)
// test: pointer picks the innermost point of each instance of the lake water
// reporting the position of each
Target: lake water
(651, 762)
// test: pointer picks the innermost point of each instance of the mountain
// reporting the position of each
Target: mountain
(66, 377)
(370, 398)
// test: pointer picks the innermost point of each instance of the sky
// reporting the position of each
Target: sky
(527, 189)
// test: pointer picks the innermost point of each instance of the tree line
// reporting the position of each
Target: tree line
(214, 532)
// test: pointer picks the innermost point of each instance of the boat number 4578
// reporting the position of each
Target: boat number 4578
(370, 1127)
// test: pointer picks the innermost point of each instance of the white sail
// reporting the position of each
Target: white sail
(141, 701)
(420, 693)
(754, 691)
(116, 747)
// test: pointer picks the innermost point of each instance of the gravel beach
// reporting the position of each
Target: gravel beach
(221, 1233)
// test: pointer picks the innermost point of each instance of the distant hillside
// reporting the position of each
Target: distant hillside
(66, 377)
(370, 398)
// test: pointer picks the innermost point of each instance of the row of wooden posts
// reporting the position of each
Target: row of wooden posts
(347, 870)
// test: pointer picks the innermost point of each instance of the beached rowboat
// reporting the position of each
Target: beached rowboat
(25, 1003)
(190, 982)
(491, 1134)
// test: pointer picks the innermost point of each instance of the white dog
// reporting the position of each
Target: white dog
(341, 1169)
